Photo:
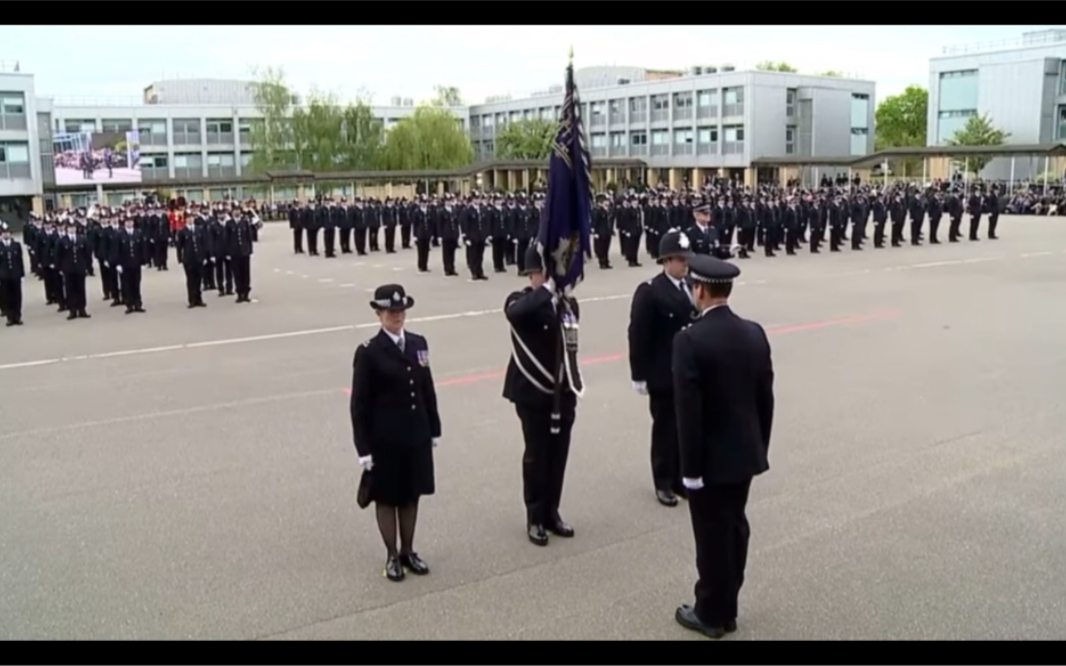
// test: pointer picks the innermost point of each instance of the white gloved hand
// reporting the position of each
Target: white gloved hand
(641, 387)
(436, 440)
(367, 462)
(692, 484)
(118, 269)
(107, 265)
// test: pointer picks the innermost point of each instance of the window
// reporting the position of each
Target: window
(618, 139)
(188, 161)
(859, 138)
(958, 91)
(1062, 123)
(790, 140)
(111, 125)
(790, 102)
(638, 104)
(78, 126)
(599, 140)
(246, 159)
(596, 109)
(220, 159)
(154, 161)
(659, 138)
(217, 127)
(487, 122)
(705, 98)
(546, 113)
(683, 136)
(515, 116)
(189, 126)
(734, 134)
(860, 110)
(707, 135)
(14, 153)
(660, 103)
(12, 103)
(1062, 79)
(682, 100)
(949, 122)
(734, 95)
(501, 120)
(527, 114)
(615, 106)
(156, 127)
(638, 139)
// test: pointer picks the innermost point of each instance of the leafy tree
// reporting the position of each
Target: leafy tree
(978, 131)
(837, 74)
(446, 96)
(330, 136)
(271, 135)
(430, 138)
(771, 66)
(901, 121)
(527, 139)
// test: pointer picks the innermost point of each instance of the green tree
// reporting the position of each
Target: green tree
(901, 122)
(330, 136)
(271, 135)
(771, 66)
(430, 138)
(528, 139)
(446, 96)
(978, 131)
(837, 74)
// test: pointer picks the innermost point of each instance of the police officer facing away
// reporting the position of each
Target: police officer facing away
(395, 424)
(661, 307)
(536, 336)
(724, 396)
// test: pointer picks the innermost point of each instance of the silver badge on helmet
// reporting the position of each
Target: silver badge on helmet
(682, 240)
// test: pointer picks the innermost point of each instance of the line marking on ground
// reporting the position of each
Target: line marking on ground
(877, 315)
(346, 285)
(326, 280)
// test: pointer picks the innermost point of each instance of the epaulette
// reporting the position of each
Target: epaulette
(367, 343)
(649, 281)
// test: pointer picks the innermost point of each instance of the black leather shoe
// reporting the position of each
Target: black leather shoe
(681, 492)
(686, 617)
(666, 498)
(415, 564)
(394, 569)
(538, 535)
(561, 529)
(730, 626)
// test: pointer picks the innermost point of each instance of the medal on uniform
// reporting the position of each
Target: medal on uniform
(423, 358)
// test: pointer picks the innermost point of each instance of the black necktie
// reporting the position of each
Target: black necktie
(399, 343)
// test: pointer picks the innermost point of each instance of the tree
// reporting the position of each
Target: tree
(978, 131)
(446, 96)
(771, 66)
(901, 122)
(429, 139)
(529, 139)
(330, 136)
(271, 135)
(836, 74)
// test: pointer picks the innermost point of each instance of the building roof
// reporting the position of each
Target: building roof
(804, 160)
(873, 159)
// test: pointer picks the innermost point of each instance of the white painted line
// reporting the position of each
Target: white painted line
(277, 270)
(398, 268)
(977, 260)
(357, 264)
(273, 336)
(288, 272)
(934, 264)
(304, 276)
(378, 266)
(1036, 254)
(346, 284)
(323, 280)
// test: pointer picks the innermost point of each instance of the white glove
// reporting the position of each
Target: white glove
(692, 484)
(367, 462)
(118, 269)
(107, 265)
(227, 257)
(436, 440)
(641, 387)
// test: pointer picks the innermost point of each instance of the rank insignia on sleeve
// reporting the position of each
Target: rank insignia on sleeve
(423, 358)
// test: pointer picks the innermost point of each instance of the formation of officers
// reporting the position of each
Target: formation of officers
(495, 229)
(213, 244)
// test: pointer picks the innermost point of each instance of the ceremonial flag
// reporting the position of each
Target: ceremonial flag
(565, 229)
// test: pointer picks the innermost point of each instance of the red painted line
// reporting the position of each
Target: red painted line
(610, 358)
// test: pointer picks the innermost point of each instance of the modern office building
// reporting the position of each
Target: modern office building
(21, 178)
(707, 119)
(1020, 85)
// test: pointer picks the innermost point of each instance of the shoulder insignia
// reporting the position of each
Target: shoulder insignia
(367, 343)
(650, 281)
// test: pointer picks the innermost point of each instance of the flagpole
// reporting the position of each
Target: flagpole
(560, 315)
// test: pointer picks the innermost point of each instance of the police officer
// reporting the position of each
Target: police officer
(194, 253)
(533, 314)
(395, 424)
(724, 399)
(239, 249)
(131, 254)
(12, 272)
(75, 259)
(661, 307)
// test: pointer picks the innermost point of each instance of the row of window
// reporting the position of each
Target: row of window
(701, 135)
(196, 195)
(194, 160)
(14, 153)
(12, 103)
(158, 127)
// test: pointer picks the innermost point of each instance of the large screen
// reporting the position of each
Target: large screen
(88, 158)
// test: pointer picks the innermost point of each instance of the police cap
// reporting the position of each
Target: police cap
(702, 207)
(534, 262)
(708, 270)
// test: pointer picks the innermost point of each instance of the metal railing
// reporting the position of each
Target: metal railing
(707, 112)
(10, 66)
(1031, 39)
(187, 139)
(638, 150)
(660, 115)
(220, 139)
(683, 113)
(733, 148)
(638, 116)
(597, 120)
(17, 171)
(98, 100)
(660, 149)
(707, 148)
(617, 118)
(599, 151)
(13, 122)
(682, 149)
(733, 110)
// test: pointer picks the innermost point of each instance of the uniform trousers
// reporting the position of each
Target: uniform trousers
(11, 299)
(242, 274)
(76, 298)
(131, 286)
(390, 238)
(224, 275)
(447, 251)
(721, 530)
(422, 249)
(372, 238)
(53, 287)
(975, 224)
(345, 240)
(544, 459)
(360, 240)
(297, 240)
(665, 454)
(601, 246)
(521, 245)
(161, 249)
(194, 279)
(329, 237)
(107, 277)
(475, 258)
(499, 253)
(312, 240)
(405, 236)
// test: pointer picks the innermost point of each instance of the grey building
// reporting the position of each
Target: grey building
(1020, 85)
(21, 185)
(707, 118)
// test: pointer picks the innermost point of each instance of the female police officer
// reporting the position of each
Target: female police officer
(395, 424)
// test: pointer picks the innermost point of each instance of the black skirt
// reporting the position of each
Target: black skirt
(402, 474)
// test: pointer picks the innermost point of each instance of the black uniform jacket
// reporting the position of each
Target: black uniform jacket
(724, 397)
(394, 402)
(659, 310)
(11, 266)
(535, 322)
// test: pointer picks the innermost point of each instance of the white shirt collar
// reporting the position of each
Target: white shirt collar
(392, 336)
(677, 282)
(720, 305)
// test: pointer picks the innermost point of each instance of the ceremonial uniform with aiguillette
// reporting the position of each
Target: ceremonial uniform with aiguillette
(661, 307)
(536, 336)
(395, 425)
(723, 392)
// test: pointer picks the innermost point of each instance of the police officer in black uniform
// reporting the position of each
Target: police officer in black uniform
(194, 253)
(395, 424)
(661, 307)
(12, 272)
(723, 392)
(529, 384)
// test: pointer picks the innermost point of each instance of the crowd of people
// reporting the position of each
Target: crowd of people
(213, 243)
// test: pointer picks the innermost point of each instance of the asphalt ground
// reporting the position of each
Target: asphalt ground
(191, 474)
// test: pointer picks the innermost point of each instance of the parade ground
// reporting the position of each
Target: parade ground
(190, 474)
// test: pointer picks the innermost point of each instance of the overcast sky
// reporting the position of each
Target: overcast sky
(410, 60)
